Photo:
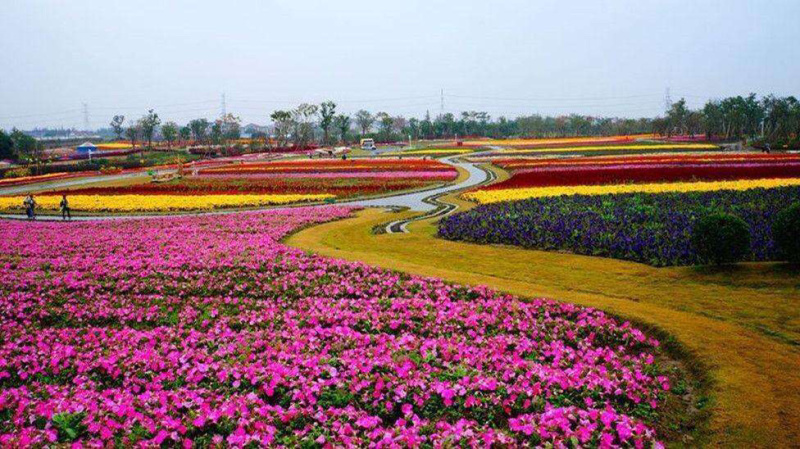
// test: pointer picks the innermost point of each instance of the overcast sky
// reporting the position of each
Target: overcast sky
(612, 57)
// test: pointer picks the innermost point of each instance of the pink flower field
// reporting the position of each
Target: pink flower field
(207, 331)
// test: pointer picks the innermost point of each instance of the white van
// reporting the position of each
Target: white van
(368, 144)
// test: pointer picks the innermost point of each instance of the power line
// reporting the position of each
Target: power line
(85, 117)
(163, 106)
(618, 97)
(46, 114)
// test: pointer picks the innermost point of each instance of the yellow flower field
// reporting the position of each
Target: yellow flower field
(157, 203)
(113, 146)
(555, 141)
(687, 146)
(494, 196)
(438, 151)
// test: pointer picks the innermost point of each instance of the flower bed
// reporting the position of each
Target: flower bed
(515, 164)
(653, 229)
(331, 186)
(634, 148)
(536, 178)
(333, 166)
(158, 203)
(645, 173)
(24, 180)
(493, 196)
(556, 142)
(207, 331)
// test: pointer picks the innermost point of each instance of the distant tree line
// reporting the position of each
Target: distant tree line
(769, 119)
(772, 119)
(19, 146)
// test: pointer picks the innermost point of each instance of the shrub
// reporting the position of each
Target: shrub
(721, 238)
(19, 172)
(785, 233)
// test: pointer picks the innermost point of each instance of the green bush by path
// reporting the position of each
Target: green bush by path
(721, 238)
(786, 235)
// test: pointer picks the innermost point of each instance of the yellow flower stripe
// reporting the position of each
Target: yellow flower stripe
(557, 140)
(157, 203)
(113, 146)
(438, 151)
(494, 196)
(688, 146)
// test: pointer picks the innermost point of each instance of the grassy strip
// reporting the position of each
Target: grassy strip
(713, 317)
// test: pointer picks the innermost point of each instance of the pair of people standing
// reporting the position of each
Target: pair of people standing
(30, 207)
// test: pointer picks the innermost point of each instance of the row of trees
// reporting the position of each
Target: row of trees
(308, 122)
(201, 131)
(19, 146)
(771, 118)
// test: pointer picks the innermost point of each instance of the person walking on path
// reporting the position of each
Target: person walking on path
(64, 205)
(30, 207)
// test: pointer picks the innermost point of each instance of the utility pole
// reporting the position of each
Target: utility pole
(85, 117)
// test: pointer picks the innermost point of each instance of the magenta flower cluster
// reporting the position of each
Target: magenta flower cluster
(207, 331)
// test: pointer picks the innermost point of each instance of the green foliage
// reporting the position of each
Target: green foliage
(6, 146)
(721, 238)
(116, 125)
(148, 125)
(69, 425)
(327, 112)
(786, 235)
(170, 132)
(18, 172)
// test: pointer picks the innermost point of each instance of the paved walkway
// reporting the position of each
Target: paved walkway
(416, 201)
(24, 190)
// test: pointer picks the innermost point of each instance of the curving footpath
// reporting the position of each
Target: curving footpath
(422, 201)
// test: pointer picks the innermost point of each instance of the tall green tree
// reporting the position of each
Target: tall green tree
(342, 122)
(385, 123)
(132, 134)
(676, 117)
(327, 112)
(170, 132)
(28, 149)
(303, 119)
(231, 127)
(117, 125)
(216, 132)
(282, 123)
(199, 129)
(364, 120)
(185, 133)
(148, 125)
(6, 146)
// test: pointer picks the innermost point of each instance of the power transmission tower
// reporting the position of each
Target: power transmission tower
(223, 109)
(667, 100)
(85, 117)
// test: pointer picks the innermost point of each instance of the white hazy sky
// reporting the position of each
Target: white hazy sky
(613, 57)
